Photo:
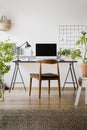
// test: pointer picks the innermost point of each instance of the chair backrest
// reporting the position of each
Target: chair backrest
(49, 61)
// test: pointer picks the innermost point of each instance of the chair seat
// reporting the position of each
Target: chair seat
(46, 75)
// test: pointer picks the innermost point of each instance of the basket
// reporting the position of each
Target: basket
(5, 24)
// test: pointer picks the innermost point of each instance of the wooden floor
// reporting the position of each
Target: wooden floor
(19, 99)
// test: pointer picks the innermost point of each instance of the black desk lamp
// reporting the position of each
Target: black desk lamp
(18, 48)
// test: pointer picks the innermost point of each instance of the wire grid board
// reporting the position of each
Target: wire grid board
(69, 34)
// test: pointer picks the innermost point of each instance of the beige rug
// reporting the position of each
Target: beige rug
(43, 119)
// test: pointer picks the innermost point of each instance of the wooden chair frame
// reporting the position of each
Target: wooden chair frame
(46, 76)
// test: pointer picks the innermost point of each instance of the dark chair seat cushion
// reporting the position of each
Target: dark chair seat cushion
(45, 75)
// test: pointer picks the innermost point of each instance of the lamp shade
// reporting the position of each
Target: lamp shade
(27, 44)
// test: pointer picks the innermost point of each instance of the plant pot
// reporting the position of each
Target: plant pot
(83, 67)
(1, 90)
(66, 57)
(1, 95)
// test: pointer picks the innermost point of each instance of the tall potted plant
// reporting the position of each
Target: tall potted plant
(83, 43)
(6, 56)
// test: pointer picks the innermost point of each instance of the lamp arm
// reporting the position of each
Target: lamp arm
(21, 45)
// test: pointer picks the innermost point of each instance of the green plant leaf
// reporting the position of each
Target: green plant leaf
(6, 56)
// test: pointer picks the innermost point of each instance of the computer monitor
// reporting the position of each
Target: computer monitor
(46, 49)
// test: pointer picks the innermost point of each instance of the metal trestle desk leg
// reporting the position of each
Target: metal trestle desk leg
(73, 76)
(13, 81)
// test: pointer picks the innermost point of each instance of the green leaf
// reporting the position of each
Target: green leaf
(6, 56)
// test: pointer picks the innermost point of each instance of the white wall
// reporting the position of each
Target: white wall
(38, 20)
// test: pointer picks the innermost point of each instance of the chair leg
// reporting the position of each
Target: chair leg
(30, 86)
(39, 89)
(48, 86)
(59, 88)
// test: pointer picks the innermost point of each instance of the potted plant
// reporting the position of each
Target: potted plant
(69, 53)
(64, 52)
(6, 56)
(83, 54)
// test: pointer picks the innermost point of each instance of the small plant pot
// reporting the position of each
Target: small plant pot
(83, 67)
(66, 57)
(1, 96)
(1, 93)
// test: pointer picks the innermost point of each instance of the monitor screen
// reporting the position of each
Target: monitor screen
(46, 49)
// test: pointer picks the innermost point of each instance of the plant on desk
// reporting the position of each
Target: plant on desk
(6, 56)
(69, 53)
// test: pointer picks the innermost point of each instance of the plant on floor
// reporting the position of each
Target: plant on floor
(6, 56)
(82, 42)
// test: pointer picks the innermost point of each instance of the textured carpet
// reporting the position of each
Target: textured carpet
(43, 119)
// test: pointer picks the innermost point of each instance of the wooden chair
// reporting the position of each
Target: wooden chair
(46, 76)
